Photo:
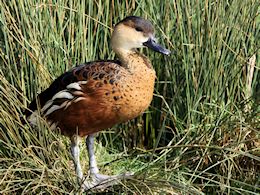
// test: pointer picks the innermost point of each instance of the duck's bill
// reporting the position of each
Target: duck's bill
(156, 47)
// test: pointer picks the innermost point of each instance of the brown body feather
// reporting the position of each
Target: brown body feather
(110, 93)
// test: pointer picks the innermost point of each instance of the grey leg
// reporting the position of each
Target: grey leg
(74, 147)
(91, 155)
(99, 181)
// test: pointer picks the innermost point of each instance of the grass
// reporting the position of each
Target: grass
(199, 136)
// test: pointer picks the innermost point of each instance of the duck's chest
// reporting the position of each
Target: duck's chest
(136, 93)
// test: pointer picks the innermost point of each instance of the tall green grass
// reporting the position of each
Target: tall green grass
(201, 133)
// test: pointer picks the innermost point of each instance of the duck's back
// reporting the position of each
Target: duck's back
(95, 96)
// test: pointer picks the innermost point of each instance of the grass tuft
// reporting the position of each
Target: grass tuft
(199, 136)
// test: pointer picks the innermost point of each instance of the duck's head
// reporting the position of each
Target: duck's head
(135, 32)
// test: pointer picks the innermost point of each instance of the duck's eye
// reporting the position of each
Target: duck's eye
(138, 29)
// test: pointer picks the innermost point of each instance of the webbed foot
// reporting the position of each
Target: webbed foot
(99, 181)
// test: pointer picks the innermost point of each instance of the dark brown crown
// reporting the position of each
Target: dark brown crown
(139, 24)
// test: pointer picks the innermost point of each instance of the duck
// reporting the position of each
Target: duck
(97, 95)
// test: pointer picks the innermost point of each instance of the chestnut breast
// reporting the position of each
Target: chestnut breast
(136, 88)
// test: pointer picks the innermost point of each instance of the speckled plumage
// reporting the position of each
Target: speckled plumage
(111, 95)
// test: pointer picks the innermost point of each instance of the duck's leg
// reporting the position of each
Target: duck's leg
(99, 181)
(91, 155)
(74, 147)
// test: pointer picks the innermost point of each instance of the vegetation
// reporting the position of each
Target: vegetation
(199, 136)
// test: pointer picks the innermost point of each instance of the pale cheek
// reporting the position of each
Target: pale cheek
(139, 44)
(139, 41)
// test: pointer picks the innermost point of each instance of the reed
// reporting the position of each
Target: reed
(199, 136)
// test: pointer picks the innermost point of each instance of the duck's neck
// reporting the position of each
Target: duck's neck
(132, 59)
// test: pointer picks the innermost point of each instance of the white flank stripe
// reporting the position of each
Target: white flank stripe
(52, 109)
(74, 86)
(68, 104)
(82, 82)
(46, 106)
(77, 93)
(56, 107)
(64, 104)
(63, 94)
(79, 99)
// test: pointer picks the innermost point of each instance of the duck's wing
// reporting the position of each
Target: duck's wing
(68, 85)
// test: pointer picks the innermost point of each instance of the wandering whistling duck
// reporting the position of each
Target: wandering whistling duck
(97, 95)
